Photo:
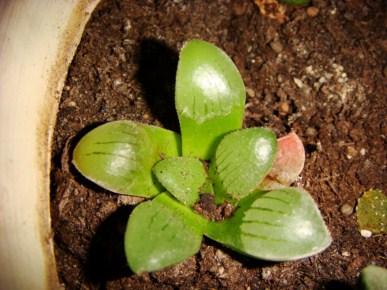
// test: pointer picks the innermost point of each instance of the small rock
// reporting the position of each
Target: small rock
(117, 82)
(346, 209)
(298, 82)
(312, 11)
(271, 34)
(346, 254)
(127, 25)
(276, 46)
(266, 273)
(250, 92)
(285, 107)
(362, 151)
(366, 233)
(310, 132)
(351, 152)
(319, 147)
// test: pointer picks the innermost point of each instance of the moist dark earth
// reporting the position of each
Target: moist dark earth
(322, 73)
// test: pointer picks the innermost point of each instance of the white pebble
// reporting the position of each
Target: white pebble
(298, 82)
(250, 92)
(346, 254)
(366, 233)
(276, 46)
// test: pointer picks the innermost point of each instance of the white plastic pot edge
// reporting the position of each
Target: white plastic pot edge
(38, 40)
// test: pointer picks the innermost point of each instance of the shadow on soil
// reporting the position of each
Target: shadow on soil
(107, 259)
(157, 75)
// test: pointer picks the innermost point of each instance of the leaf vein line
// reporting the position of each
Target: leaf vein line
(268, 209)
(263, 237)
(262, 223)
(276, 198)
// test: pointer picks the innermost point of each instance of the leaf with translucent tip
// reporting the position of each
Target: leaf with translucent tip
(288, 164)
(119, 156)
(278, 225)
(182, 177)
(160, 233)
(210, 97)
(243, 158)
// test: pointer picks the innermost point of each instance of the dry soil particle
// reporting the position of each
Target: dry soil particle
(318, 75)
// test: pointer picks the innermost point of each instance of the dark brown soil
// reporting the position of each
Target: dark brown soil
(324, 77)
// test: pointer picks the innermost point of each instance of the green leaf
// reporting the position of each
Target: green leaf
(279, 225)
(119, 156)
(371, 212)
(243, 158)
(210, 98)
(372, 278)
(182, 177)
(160, 233)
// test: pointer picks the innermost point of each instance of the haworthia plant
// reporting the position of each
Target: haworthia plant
(210, 98)
(213, 155)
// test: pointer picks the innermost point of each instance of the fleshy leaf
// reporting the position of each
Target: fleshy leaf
(372, 278)
(160, 233)
(288, 163)
(119, 156)
(210, 97)
(279, 225)
(243, 159)
(371, 212)
(182, 177)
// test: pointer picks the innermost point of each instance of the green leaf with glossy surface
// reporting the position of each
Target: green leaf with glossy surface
(210, 97)
(279, 225)
(243, 159)
(119, 156)
(160, 233)
(182, 177)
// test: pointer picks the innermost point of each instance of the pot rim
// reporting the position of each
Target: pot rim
(38, 40)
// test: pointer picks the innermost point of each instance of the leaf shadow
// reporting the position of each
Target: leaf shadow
(248, 262)
(107, 260)
(157, 66)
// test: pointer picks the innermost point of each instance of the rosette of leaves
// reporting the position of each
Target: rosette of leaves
(213, 155)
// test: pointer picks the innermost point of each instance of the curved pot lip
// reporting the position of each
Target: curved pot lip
(38, 40)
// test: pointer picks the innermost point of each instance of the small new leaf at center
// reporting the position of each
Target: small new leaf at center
(182, 177)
